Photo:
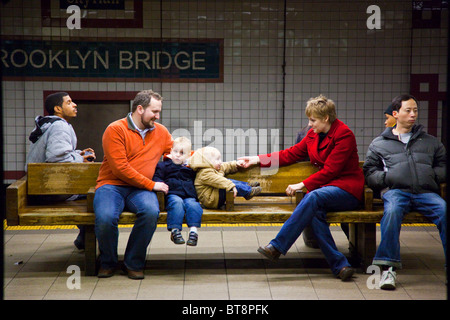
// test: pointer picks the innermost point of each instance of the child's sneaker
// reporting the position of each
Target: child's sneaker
(176, 237)
(388, 278)
(193, 238)
(255, 191)
(254, 184)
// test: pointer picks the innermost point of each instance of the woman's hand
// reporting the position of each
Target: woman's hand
(290, 190)
(246, 162)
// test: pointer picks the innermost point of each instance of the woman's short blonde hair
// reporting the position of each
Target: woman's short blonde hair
(321, 107)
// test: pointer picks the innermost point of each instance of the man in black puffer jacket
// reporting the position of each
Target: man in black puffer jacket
(406, 165)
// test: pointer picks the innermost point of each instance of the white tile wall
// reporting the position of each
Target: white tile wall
(329, 50)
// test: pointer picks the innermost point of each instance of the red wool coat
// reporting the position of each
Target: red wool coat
(336, 157)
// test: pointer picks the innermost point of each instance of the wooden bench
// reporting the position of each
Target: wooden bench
(273, 206)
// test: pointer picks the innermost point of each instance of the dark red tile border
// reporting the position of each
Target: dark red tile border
(432, 96)
(13, 175)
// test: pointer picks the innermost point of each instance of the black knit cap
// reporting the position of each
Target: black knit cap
(389, 110)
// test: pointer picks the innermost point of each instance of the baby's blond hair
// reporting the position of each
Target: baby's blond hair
(210, 152)
(184, 143)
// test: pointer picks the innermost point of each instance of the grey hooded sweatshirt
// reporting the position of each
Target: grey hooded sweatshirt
(53, 140)
(416, 167)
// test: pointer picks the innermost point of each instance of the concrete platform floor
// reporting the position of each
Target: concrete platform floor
(224, 266)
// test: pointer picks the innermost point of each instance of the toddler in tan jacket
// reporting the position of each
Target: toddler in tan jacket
(210, 182)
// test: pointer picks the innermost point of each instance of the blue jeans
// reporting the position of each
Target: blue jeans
(178, 207)
(396, 204)
(243, 190)
(109, 202)
(312, 210)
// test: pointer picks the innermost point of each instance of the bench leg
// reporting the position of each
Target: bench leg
(90, 251)
(229, 201)
(161, 199)
(363, 242)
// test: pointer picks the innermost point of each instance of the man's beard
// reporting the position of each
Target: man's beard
(148, 125)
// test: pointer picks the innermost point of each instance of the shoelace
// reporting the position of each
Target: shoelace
(389, 274)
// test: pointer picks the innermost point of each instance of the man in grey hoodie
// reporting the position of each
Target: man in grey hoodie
(54, 140)
(406, 165)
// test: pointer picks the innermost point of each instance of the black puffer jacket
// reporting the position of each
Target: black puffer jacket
(415, 167)
(179, 178)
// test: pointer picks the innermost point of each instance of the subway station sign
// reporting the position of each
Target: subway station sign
(146, 60)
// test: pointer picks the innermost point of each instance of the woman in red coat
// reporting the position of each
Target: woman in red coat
(337, 186)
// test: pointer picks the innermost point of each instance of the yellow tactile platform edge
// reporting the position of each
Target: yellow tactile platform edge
(57, 227)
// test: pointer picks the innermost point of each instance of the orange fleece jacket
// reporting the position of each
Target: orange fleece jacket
(130, 160)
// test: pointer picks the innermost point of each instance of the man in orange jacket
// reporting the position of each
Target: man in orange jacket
(132, 147)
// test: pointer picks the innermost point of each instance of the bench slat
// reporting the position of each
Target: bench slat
(58, 178)
(73, 215)
(276, 180)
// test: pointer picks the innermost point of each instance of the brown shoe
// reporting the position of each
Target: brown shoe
(255, 191)
(270, 252)
(346, 273)
(135, 275)
(254, 184)
(105, 273)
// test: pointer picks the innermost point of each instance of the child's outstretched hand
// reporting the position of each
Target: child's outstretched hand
(240, 163)
(246, 162)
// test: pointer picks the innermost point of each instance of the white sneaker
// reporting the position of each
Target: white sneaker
(388, 278)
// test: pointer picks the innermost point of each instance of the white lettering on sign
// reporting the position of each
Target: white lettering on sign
(161, 60)
(53, 59)
(64, 59)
